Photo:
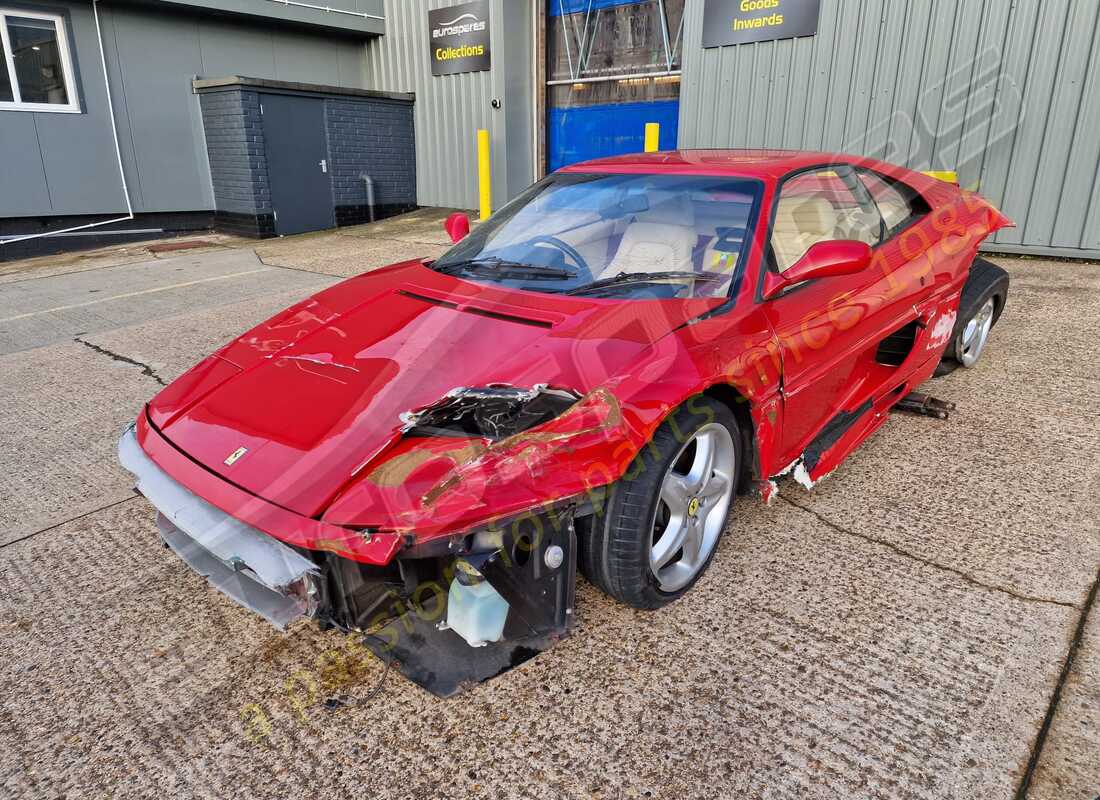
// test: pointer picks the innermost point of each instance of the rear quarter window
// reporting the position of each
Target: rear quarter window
(900, 204)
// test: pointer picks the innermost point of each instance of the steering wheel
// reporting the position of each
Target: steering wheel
(568, 250)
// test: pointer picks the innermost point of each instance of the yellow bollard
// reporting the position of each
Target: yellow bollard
(484, 176)
(652, 137)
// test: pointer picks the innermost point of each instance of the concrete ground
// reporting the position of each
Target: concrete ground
(902, 631)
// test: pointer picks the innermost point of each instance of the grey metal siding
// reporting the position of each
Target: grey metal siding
(516, 56)
(155, 56)
(450, 109)
(63, 161)
(23, 179)
(152, 56)
(319, 17)
(1007, 94)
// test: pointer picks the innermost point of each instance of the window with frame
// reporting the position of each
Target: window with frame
(900, 204)
(37, 72)
(818, 206)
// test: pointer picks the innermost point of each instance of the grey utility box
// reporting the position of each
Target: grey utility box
(292, 157)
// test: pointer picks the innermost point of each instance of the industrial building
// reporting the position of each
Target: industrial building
(268, 117)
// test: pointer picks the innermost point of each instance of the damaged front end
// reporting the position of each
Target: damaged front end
(458, 609)
(463, 609)
(491, 412)
(453, 608)
(254, 569)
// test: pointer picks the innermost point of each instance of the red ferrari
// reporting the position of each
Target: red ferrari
(427, 452)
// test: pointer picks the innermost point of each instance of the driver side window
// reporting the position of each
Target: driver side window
(819, 206)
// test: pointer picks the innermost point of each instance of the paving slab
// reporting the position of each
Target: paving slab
(424, 226)
(57, 308)
(357, 249)
(341, 254)
(1069, 766)
(113, 255)
(1007, 490)
(62, 407)
(60, 415)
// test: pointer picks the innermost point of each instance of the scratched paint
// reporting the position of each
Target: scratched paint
(942, 330)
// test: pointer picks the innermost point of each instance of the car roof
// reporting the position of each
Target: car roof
(748, 162)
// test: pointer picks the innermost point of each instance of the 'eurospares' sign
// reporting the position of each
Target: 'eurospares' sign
(743, 21)
(459, 38)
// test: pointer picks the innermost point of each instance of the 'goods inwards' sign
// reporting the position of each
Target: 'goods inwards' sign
(459, 38)
(742, 21)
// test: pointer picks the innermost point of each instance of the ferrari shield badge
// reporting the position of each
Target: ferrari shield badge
(233, 457)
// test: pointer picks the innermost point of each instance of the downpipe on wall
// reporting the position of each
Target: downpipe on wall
(369, 183)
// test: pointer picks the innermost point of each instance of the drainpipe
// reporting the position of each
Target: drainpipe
(118, 149)
(369, 181)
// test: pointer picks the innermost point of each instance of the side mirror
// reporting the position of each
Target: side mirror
(457, 226)
(822, 260)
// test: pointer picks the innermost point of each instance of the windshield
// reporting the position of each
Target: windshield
(621, 236)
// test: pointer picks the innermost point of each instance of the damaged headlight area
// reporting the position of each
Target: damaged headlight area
(451, 609)
(489, 412)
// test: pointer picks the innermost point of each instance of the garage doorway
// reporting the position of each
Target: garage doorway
(297, 163)
(612, 66)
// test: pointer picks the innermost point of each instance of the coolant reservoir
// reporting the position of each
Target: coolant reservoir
(475, 610)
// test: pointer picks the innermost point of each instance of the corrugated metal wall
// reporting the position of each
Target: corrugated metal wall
(1007, 93)
(447, 112)
(449, 109)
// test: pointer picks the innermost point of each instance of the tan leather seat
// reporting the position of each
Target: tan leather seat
(894, 212)
(661, 239)
(800, 223)
(858, 225)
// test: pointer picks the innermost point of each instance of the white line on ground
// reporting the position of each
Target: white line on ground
(135, 294)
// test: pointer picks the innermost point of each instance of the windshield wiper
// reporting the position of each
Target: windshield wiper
(498, 266)
(624, 278)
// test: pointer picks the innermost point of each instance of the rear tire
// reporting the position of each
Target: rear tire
(661, 522)
(983, 299)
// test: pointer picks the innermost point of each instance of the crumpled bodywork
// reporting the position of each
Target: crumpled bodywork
(253, 568)
(326, 436)
(489, 412)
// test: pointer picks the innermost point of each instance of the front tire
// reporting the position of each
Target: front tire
(661, 522)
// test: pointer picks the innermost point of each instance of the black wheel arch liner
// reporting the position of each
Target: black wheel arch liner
(985, 278)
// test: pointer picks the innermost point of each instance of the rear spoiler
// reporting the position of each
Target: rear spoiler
(947, 176)
(997, 220)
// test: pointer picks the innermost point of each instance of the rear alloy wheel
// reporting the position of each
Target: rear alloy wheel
(975, 333)
(981, 303)
(664, 518)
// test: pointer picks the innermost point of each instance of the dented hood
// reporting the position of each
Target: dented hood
(297, 408)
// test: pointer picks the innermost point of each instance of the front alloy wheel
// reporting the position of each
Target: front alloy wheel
(692, 507)
(663, 519)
